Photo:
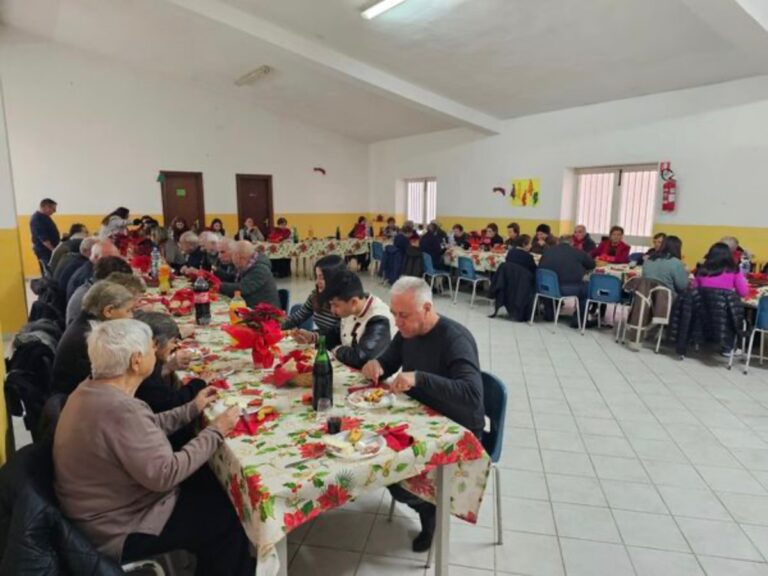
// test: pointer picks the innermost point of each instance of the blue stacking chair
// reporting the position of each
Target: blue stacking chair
(636, 257)
(761, 326)
(495, 402)
(548, 288)
(377, 254)
(602, 289)
(309, 323)
(467, 272)
(429, 270)
(285, 299)
(495, 409)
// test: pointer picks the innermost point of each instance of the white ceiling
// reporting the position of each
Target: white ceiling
(426, 65)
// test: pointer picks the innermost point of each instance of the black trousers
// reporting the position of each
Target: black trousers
(204, 523)
(281, 267)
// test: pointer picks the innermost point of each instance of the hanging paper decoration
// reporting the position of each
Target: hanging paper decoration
(319, 170)
(500, 190)
(525, 192)
(668, 187)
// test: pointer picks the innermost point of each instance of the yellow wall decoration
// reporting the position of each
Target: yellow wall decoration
(526, 192)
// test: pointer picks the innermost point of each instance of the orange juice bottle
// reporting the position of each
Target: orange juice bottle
(236, 303)
(164, 278)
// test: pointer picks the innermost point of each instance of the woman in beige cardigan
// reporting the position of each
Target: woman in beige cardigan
(117, 476)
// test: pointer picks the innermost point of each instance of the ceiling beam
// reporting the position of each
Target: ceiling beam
(352, 68)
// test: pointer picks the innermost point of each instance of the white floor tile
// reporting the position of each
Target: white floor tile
(747, 509)
(529, 554)
(633, 496)
(671, 474)
(599, 426)
(759, 537)
(649, 562)
(650, 531)
(615, 468)
(310, 561)
(527, 516)
(585, 522)
(731, 480)
(713, 538)
(583, 558)
(394, 538)
(522, 484)
(472, 547)
(521, 459)
(563, 441)
(693, 503)
(575, 490)
(571, 463)
(725, 567)
(342, 530)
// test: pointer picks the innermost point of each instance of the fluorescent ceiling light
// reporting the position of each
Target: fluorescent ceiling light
(380, 8)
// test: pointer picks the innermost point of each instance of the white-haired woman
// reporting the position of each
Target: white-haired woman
(117, 476)
(194, 255)
(104, 301)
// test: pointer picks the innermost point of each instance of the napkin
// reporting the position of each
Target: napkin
(221, 384)
(250, 424)
(396, 437)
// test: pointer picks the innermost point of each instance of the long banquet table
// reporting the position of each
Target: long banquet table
(445, 465)
(305, 252)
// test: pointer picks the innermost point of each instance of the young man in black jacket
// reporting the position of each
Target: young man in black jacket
(440, 368)
(366, 326)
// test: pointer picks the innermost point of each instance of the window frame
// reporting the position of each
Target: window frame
(424, 199)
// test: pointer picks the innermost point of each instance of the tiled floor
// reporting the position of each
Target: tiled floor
(615, 462)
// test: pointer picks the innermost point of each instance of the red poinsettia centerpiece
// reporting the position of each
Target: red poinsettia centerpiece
(258, 330)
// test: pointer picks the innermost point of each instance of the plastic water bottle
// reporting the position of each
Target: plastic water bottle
(155, 269)
(745, 265)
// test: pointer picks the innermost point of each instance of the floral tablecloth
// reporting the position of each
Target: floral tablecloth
(272, 499)
(483, 261)
(314, 248)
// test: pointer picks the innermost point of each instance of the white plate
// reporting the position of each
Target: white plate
(339, 448)
(357, 400)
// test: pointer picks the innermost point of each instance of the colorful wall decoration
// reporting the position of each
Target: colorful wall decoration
(525, 192)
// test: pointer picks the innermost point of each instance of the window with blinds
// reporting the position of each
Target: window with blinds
(621, 196)
(422, 200)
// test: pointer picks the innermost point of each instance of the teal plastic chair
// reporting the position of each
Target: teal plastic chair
(432, 273)
(548, 288)
(467, 272)
(602, 289)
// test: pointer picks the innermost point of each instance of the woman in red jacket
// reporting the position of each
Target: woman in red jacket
(613, 249)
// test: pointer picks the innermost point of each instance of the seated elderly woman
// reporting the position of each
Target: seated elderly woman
(104, 301)
(101, 271)
(194, 255)
(158, 389)
(209, 242)
(119, 480)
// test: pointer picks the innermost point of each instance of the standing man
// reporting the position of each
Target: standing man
(440, 368)
(45, 233)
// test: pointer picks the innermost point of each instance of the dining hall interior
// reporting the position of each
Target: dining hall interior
(373, 287)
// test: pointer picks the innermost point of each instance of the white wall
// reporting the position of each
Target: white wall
(93, 134)
(716, 138)
(7, 200)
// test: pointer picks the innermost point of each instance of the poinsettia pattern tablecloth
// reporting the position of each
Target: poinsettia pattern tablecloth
(316, 248)
(483, 261)
(271, 500)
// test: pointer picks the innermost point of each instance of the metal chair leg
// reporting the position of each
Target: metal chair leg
(583, 321)
(391, 510)
(533, 311)
(474, 291)
(557, 315)
(497, 491)
(456, 293)
(762, 347)
(749, 349)
(661, 334)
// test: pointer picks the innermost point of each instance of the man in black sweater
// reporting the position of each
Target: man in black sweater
(571, 266)
(440, 368)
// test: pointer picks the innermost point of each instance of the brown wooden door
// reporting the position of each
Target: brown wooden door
(254, 200)
(183, 198)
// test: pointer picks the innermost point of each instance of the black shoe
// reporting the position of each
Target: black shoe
(423, 541)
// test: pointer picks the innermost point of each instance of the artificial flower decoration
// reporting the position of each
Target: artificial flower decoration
(182, 302)
(258, 330)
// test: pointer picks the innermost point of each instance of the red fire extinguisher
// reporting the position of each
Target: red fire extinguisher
(668, 187)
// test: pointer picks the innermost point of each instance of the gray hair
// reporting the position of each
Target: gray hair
(416, 286)
(112, 344)
(566, 239)
(227, 244)
(98, 248)
(243, 248)
(87, 245)
(731, 242)
(164, 328)
(103, 294)
(208, 236)
(191, 238)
